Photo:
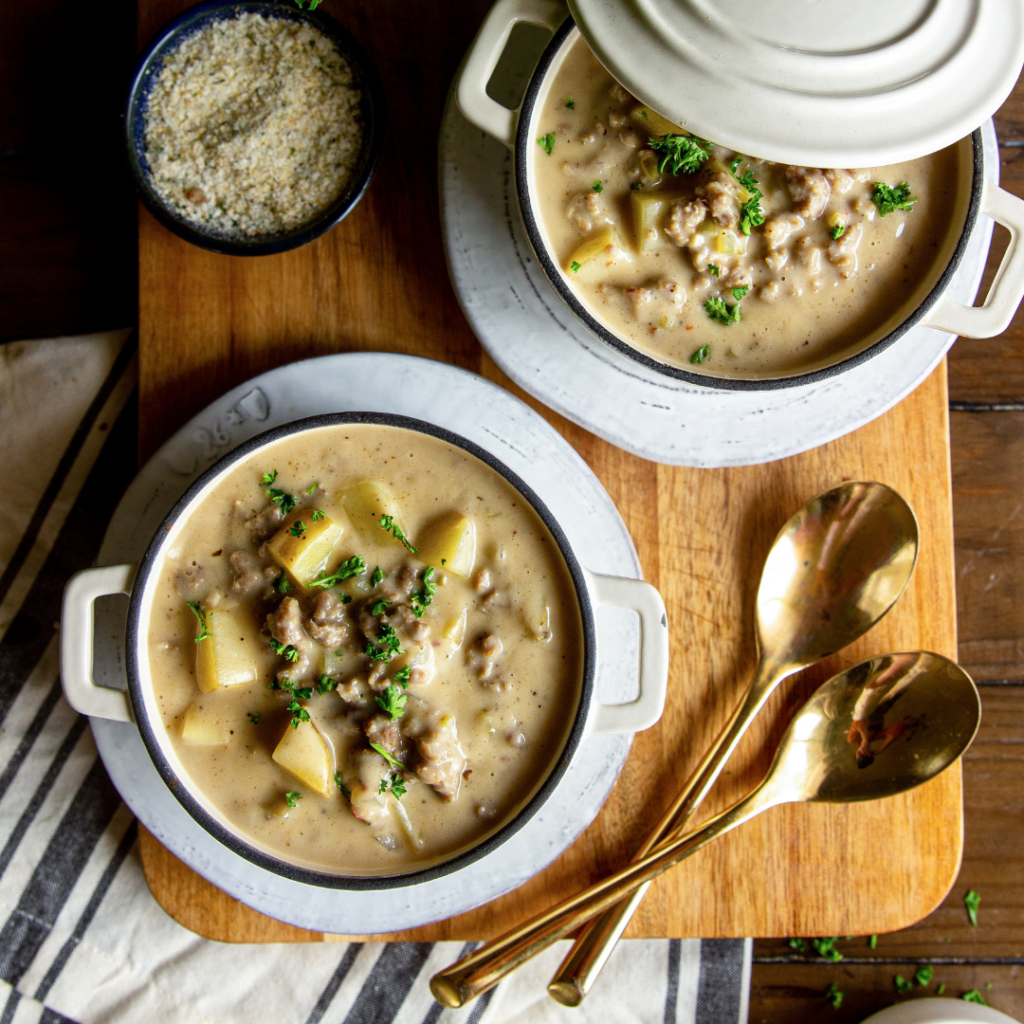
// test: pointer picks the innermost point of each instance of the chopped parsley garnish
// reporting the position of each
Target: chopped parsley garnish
(924, 975)
(341, 785)
(575, 266)
(391, 701)
(837, 231)
(735, 162)
(636, 186)
(681, 154)
(299, 713)
(547, 142)
(827, 948)
(393, 762)
(798, 944)
(597, 186)
(713, 269)
(889, 199)
(974, 996)
(354, 566)
(396, 783)
(701, 354)
(325, 684)
(318, 515)
(310, 5)
(423, 597)
(377, 577)
(303, 693)
(570, 104)
(902, 985)
(288, 652)
(940, 989)
(200, 613)
(403, 675)
(312, 487)
(738, 293)
(381, 607)
(283, 584)
(292, 799)
(388, 524)
(722, 312)
(873, 942)
(254, 717)
(269, 478)
(286, 502)
(298, 528)
(643, 114)
(751, 214)
(386, 647)
(972, 901)
(834, 995)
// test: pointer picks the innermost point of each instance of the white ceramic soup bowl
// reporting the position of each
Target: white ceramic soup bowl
(929, 305)
(139, 703)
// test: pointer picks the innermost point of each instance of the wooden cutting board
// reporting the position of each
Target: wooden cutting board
(379, 281)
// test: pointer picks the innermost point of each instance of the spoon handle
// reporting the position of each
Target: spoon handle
(585, 961)
(475, 974)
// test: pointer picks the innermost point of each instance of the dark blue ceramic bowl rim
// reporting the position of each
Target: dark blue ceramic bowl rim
(523, 151)
(135, 651)
(373, 117)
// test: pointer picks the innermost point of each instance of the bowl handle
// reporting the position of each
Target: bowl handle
(994, 315)
(77, 629)
(642, 598)
(471, 94)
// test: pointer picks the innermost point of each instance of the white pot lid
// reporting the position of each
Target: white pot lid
(822, 83)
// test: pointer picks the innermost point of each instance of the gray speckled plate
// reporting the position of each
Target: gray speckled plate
(494, 419)
(534, 338)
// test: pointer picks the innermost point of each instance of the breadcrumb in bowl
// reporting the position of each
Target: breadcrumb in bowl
(253, 127)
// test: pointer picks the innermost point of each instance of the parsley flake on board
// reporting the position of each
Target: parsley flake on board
(299, 713)
(377, 577)
(924, 975)
(570, 104)
(423, 597)
(403, 676)
(835, 995)
(972, 901)
(827, 948)
(354, 566)
(798, 944)
(889, 199)
(312, 487)
(873, 942)
(722, 312)
(902, 985)
(386, 647)
(283, 584)
(287, 652)
(974, 996)
(298, 528)
(310, 5)
(200, 613)
(681, 154)
(254, 717)
(837, 231)
(547, 142)
(391, 701)
(698, 357)
(341, 785)
(738, 293)
(713, 269)
(269, 478)
(597, 187)
(940, 989)
(325, 684)
(286, 502)
(292, 799)
(393, 762)
(388, 524)
(575, 266)
(318, 515)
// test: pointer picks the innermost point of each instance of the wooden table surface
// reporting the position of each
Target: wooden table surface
(67, 253)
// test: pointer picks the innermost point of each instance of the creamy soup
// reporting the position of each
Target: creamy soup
(366, 649)
(717, 262)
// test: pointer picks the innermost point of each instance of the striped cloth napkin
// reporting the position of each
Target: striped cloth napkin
(81, 938)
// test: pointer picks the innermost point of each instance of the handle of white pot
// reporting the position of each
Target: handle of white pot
(994, 316)
(77, 636)
(471, 94)
(643, 712)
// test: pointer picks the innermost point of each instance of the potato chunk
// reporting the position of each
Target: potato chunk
(204, 727)
(228, 656)
(365, 503)
(605, 241)
(649, 212)
(449, 542)
(304, 752)
(303, 546)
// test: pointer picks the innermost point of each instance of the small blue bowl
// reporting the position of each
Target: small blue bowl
(168, 39)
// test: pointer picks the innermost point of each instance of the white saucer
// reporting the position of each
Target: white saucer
(478, 410)
(534, 338)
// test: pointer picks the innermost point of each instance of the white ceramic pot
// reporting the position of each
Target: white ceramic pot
(518, 128)
(139, 703)
(939, 1011)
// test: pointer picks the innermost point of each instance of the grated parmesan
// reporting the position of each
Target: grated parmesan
(253, 126)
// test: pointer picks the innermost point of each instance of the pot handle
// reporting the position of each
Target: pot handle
(77, 633)
(994, 315)
(645, 711)
(471, 93)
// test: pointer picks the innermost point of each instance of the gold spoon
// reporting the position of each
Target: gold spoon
(878, 729)
(834, 570)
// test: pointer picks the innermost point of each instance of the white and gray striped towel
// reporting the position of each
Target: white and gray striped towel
(81, 938)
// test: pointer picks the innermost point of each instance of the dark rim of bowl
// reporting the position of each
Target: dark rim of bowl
(565, 293)
(374, 120)
(233, 842)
